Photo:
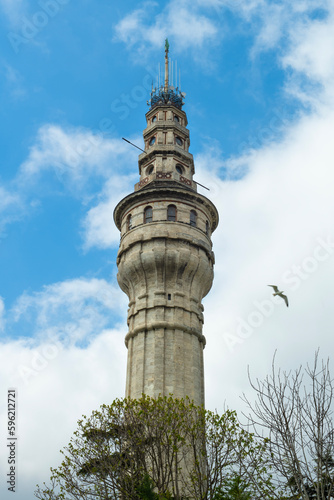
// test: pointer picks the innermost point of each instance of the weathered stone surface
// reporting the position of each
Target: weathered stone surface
(165, 266)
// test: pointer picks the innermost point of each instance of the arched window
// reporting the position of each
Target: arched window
(193, 218)
(129, 222)
(171, 213)
(207, 228)
(148, 215)
(149, 170)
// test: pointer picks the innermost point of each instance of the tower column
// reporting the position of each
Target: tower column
(165, 259)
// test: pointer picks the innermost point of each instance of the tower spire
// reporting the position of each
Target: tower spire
(166, 65)
(164, 93)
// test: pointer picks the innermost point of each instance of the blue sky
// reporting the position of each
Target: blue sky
(75, 78)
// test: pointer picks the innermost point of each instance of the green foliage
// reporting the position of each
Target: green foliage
(232, 489)
(145, 490)
(158, 449)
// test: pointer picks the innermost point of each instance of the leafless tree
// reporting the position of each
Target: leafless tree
(293, 412)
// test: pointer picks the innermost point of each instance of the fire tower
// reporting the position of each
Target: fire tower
(165, 259)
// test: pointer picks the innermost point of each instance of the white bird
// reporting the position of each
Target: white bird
(280, 294)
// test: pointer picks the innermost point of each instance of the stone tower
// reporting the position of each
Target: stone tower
(165, 259)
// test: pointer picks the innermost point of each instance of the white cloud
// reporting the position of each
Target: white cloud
(273, 21)
(196, 29)
(14, 81)
(275, 228)
(312, 50)
(73, 310)
(13, 9)
(310, 62)
(180, 21)
(7, 199)
(51, 381)
(74, 358)
(200, 24)
(302, 40)
(88, 164)
(11, 207)
(276, 24)
(74, 154)
(79, 157)
(99, 227)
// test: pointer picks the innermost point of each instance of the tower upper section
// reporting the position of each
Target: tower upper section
(166, 138)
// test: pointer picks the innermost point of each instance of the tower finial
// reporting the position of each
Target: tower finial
(166, 65)
(165, 93)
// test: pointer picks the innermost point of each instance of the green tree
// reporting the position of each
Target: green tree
(162, 448)
(233, 489)
(145, 490)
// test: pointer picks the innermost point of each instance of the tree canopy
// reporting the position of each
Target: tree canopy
(162, 448)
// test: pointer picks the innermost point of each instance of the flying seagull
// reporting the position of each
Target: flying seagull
(281, 294)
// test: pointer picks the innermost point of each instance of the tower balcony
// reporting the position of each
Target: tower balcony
(165, 149)
(166, 176)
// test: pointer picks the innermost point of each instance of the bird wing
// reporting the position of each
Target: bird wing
(286, 300)
(284, 297)
(274, 287)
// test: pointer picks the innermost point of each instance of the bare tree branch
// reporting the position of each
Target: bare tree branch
(293, 410)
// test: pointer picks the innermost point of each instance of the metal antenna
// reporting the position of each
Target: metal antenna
(166, 65)
(171, 72)
(133, 145)
(201, 185)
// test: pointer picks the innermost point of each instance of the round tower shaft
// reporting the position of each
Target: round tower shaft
(165, 259)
